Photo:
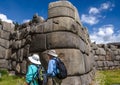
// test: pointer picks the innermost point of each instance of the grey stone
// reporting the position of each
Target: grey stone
(75, 80)
(38, 43)
(100, 63)
(16, 44)
(5, 35)
(13, 63)
(85, 79)
(5, 43)
(58, 9)
(14, 56)
(5, 53)
(8, 26)
(38, 29)
(88, 62)
(3, 63)
(62, 40)
(23, 67)
(48, 26)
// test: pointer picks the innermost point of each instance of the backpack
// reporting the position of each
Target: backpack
(39, 75)
(62, 74)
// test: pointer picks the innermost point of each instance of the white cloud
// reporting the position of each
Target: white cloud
(26, 20)
(4, 18)
(93, 10)
(105, 34)
(89, 19)
(106, 6)
(95, 14)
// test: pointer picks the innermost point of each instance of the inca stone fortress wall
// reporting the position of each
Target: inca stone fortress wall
(63, 32)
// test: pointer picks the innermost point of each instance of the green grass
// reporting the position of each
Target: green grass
(108, 77)
(6, 79)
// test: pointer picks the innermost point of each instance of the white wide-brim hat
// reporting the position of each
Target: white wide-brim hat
(52, 52)
(34, 59)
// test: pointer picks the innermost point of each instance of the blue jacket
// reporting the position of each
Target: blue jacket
(52, 68)
(32, 69)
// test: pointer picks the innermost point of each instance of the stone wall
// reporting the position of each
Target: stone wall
(62, 31)
(107, 56)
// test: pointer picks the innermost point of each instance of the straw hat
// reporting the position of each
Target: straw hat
(34, 59)
(52, 53)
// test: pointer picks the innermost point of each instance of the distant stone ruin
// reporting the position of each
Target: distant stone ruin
(63, 32)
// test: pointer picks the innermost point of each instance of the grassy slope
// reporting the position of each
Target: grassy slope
(10, 80)
(108, 77)
(102, 78)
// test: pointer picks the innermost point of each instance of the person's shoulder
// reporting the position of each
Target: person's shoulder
(32, 65)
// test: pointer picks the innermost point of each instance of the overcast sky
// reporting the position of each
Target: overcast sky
(101, 17)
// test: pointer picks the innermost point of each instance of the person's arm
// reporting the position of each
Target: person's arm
(29, 75)
(50, 71)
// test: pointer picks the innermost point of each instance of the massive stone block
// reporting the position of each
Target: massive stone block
(5, 34)
(75, 80)
(5, 43)
(8, 26)
(3, 63)
(62, 40)
(38, 43)
(5, 53)
(60, 8)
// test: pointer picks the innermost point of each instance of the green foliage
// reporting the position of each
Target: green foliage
(7, 79)
(108, 77)
(16, 25)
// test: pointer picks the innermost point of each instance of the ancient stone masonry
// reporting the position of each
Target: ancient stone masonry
(62, 31)
(107, 56)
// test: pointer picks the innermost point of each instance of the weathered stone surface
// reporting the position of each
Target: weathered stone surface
(60, 8)
(62, 40)
(118, 57)
(5, 34)
(23, 67)
(88, 62)
(37, 29)
(100, 63)
(100, 51)
(8, 26)
(77, 18)
(16, 44)
(75, 80)
(5, 53)
(85, 79)
(38, 43)
(101, 58)
(3, 63)
(5, 43)
(20, 55)
(112, 47)
(14, 56)
(13, 63)
(65, 24)
(48, 26)
(17, 69)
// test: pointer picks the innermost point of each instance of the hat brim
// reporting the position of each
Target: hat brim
(34, 61)
(53, 54)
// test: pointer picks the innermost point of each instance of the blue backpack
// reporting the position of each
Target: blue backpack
(61, 67)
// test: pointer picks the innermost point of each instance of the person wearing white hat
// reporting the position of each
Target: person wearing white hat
(52, 67)
(34, 61)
